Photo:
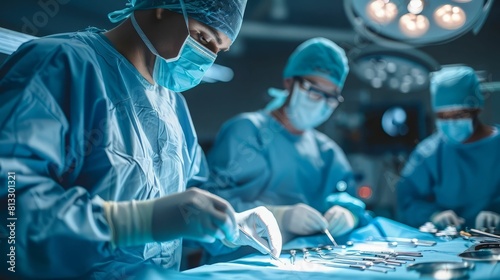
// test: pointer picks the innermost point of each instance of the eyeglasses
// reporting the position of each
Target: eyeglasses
(463, 114)
(317, 94)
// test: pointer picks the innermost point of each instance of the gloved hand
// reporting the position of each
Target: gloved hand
(487, 219)
(261, 224)
(340, 220)
(194, 214)
(447, 218)
(299, 219)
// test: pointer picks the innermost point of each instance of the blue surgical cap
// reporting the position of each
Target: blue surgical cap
(455, 87)
(318, 57)
(223, 15)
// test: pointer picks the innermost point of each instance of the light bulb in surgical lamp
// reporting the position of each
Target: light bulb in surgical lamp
(415, 6)
(413, 25)
(450, 17)
(382, 11)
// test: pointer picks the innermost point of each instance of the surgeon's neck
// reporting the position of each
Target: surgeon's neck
(127, 42)
(480, 131)
(281, 117)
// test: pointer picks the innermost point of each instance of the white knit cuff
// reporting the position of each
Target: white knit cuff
(130, 222)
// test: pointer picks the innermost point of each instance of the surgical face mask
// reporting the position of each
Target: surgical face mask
(305, 113)
(455, 130)
(184, 71)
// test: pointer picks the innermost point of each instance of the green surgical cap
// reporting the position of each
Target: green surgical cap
(318, 57)
(223, 15)
(455, 87)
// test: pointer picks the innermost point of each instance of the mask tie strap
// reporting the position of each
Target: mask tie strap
(183, 7)
(143, 36)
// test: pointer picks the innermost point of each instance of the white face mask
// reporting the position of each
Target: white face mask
(305, 113)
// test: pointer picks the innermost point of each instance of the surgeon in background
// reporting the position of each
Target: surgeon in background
(99, 146)
(276, 158)
(452, 177)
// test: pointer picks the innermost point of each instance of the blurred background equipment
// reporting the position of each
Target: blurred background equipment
(393, 127)
(403, 70)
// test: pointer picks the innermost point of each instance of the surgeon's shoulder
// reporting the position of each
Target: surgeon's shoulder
(422, 154)
(67, 48)
(428, 146)
(325, 142)
(245, 123)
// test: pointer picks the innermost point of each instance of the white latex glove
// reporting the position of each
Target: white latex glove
(194, 214)
(447, 218)
(340, 220)
(487, 219)
(299, 219)
(261, 224)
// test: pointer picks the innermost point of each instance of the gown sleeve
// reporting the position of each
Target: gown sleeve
(415, 198)
(43, 113)
(238, 166)
(341, 171)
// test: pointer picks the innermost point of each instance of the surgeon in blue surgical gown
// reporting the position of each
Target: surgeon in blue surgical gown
(100, 146)
(276, 158)
(452, 177)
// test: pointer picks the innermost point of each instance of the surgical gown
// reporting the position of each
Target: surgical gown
(461, 177)
(79, 125)
(255, 161)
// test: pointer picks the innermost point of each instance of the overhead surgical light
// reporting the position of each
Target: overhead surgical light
(416, 22)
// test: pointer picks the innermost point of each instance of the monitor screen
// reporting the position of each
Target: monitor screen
(393, 127)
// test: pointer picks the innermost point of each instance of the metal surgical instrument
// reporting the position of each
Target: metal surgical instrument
(485, 233)
(327, 232)
(262, 246)
(401, 241)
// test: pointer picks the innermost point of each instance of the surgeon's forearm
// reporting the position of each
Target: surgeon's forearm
(130, 222)
(52, 224)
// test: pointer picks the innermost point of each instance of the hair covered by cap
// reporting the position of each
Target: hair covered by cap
(224, 15)
(455, 87)
(318, 57)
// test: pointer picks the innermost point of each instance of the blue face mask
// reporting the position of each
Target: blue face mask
(305, 113)
(457, 130)
(184, 71)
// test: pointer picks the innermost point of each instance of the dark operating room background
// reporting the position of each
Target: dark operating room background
(270, 32)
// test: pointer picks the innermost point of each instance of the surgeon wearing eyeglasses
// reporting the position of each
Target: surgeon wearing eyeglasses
(452, 178)
(276, 158)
